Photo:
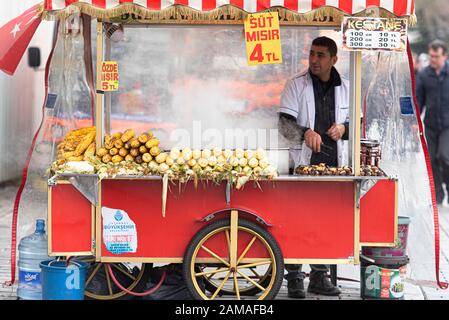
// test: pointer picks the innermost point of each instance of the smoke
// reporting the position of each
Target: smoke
(198, 82)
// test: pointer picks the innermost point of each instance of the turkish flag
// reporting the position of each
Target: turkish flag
(15, 37)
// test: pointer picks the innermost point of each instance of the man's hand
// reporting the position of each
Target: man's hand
(336, 132)
(313, 140)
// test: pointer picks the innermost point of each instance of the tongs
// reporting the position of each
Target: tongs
(326, 147)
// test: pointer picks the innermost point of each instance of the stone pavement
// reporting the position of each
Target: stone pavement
(414, 289)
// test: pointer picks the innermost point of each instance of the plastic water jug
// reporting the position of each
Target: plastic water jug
(32, 251)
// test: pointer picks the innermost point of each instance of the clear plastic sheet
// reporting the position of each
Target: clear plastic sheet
(193, 87)
(386, 78)
(72, 109)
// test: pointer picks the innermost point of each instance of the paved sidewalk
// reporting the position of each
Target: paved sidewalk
(414, 290)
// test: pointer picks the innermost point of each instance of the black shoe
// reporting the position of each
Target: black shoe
(320, 284)
(296, 289)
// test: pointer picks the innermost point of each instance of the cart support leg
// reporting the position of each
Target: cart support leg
(333, 269)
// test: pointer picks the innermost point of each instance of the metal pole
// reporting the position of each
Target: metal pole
(107, 95)
(99, 124)
(99, 101)
(355, 102)
(355, 95)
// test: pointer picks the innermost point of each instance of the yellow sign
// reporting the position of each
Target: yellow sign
(109, 76)
(263, 38)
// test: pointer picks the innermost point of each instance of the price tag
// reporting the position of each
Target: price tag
(263, 38)
(109, 76)
(406, 106)
(374, 34)
(51, 101)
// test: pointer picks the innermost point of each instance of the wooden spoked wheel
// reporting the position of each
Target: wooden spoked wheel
(99, 270)
(235, 273)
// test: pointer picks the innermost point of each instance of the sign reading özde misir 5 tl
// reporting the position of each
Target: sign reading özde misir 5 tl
(263, 39)
(109, 76)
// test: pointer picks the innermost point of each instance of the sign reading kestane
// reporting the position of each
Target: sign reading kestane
(374, 34)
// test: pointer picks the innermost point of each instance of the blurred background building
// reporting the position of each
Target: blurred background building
(21, 96)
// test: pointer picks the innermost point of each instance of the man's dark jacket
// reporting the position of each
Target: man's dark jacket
(432, 92)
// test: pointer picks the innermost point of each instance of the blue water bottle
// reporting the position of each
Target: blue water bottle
(32, 250)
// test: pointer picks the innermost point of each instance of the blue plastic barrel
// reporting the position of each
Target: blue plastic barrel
(32, 250)
(62, 282)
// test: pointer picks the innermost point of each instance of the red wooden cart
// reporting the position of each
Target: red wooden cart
(229, 241)
(299, 227)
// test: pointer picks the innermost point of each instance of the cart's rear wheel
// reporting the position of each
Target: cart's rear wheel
(105, 288)
(241, 234)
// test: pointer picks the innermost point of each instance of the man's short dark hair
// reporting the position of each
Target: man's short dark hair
(326, 42)
(437, 44)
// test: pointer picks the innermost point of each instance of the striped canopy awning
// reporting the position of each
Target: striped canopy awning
(402, 8)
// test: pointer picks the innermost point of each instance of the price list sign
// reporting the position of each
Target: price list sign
(374, 34)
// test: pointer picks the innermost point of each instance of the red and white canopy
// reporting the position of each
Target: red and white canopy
(397, 7)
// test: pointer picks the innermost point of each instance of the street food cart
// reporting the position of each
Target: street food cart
(214, 229)
(229, 240)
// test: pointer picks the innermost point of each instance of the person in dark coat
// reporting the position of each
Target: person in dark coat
(432, 92)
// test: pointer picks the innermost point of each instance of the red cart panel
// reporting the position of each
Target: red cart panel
(320, 225)
(311, 220)
(70, 218)
(378, 214)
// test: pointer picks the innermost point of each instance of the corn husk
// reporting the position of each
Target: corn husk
(234, 161)
(253, 162)
(175, 153)
(227, 154)
(117, 158)
(217, 152)
(163, 167)
(192, 162)
(180, 161)
(169, 161)
(221, 160)
(153, 166)
(153, 142)
(146, 157)
(212, 161)
(196, 154)
(243, 162)
(239, 153)
(257, 171)
(187, 154)
(263, 163)
(247, 170)
(203, 162)
(249, 154)
(206, 153)
(160, 158)
(155, 151)
(260, 153)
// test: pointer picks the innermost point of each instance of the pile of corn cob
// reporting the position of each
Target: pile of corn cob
(127, 146)
(215, 165)
(78, 145)
(130, 154)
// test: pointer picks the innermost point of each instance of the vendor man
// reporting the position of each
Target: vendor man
(314, 116)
